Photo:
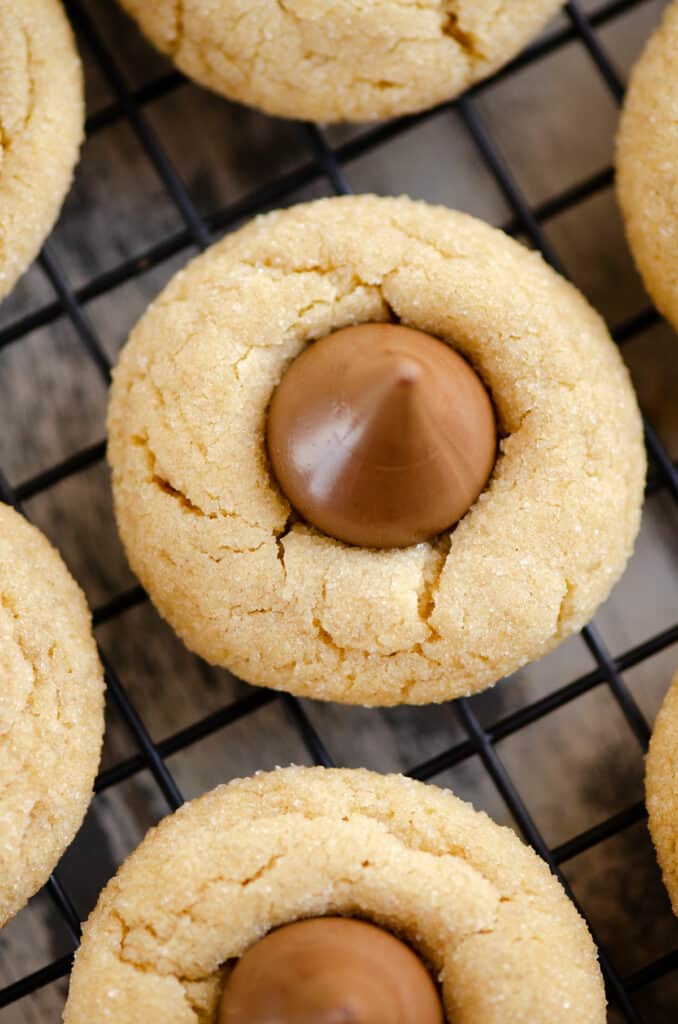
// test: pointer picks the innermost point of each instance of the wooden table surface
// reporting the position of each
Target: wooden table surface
(554, 122)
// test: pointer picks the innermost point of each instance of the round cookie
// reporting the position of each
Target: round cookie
(345, 61)
(51, 710)
(482, 909)
(661, 790)
(647, 165)
(212, 538)
(41, 127)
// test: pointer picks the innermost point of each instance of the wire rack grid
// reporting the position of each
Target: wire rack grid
(327, 161)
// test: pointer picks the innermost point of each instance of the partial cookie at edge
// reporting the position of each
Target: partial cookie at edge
(51, 710)
(647, 165)
(661, 790)
(344, 61)
(477, 904)
(41, 127)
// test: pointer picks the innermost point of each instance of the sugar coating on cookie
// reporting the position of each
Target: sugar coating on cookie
(647, 165)
(41, 127)
(661, 790)
(51, 710)
(212, 538)
(482, 910)
(348, 60)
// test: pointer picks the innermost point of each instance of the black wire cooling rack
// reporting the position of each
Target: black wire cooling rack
(325, 161)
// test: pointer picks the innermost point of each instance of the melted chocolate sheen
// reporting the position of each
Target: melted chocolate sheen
(330, 970)
(381, 436)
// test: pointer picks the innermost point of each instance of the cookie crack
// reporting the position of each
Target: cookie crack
(284, 9)
(30, 106)
(8, 605)
(234, 551)
(454, 852)
(24, 763)
(177, 409)
(279, 537)
(426, 597)
(157, 480)
(426, 242)
(186, 912)
(187, 504)
(180, 497)
(179, 28)
(430, 582)
(321, 269)
(325, 270)
(380, 84)
(6, 139)
(263, 870)
(563, 608)
(467, 42)
(323, 633)
(450, 27)
(37, 678)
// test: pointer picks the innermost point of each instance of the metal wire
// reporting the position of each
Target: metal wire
(330, 163)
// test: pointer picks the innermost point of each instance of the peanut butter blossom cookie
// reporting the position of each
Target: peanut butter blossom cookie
(309, 894)
(647, 165)
(374, 451)
(41, 127)
(51, 710)
(661, 790)
(347, 60)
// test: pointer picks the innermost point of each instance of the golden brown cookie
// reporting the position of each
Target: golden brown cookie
(51, 710)
(41, 127)
(211, 536)
(345, 61)
(481, 908)
(661, 790)
(647, 165)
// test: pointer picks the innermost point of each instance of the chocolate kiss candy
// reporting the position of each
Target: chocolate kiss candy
(330, 970)
(382, 436)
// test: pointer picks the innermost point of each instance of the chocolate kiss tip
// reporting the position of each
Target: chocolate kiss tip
(408, 371)
(381, 436)
(386, 394)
